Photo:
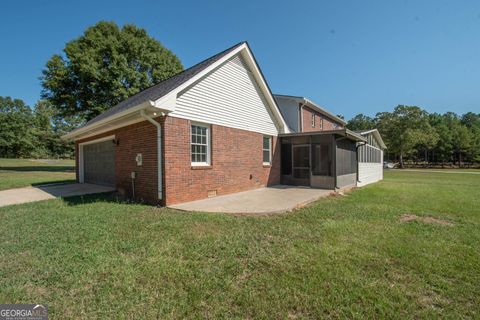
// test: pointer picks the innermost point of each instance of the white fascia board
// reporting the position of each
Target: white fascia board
(263, 84)
(169, 101)
(377, 135)
(107, 128)
(102, 125)
(367, 131)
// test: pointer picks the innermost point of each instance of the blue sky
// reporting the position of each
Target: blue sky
(349, 56)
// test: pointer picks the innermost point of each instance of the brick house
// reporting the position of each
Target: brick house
(213, 129)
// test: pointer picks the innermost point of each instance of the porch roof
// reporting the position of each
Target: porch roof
(341, 132)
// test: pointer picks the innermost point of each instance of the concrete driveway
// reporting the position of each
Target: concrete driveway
(52, 191)
(277, 199)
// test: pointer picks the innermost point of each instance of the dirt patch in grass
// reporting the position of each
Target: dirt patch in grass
(429, 220)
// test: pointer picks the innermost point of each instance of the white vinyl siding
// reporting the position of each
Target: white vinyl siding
(370, 162)
(369, 173)
(228, 96)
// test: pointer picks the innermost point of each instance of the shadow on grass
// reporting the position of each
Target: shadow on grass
(40, 168)
(106, 197)
(52, 182)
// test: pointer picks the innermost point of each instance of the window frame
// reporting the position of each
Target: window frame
(313, 120)
(269, 150)
(208, 144)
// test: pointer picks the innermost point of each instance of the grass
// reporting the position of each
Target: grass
(342, 257)
(16, 173)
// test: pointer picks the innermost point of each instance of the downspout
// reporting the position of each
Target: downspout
(159, 150)
(300, 118)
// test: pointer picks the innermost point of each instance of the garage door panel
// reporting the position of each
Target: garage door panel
(99, 163)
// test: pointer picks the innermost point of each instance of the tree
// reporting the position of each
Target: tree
(462, 141)
(444, 147)
(471, 120)
(16, 129)
(404, 129)
(48, 130)
(104, 66)
(361, 122)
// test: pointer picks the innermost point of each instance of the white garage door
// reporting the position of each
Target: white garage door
(99, 163)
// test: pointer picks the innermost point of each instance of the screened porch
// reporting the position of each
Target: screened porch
(325, 159)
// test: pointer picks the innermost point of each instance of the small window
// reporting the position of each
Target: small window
(267, 150)
(200, 145)
(313, 120)
(321, 123)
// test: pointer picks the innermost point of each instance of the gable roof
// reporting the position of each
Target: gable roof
(158, 95)
(376, 134)
(160, 89)
(312, 105)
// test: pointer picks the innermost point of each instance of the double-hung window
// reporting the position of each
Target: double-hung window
(200, 144)
(267, 150)
(313, 120)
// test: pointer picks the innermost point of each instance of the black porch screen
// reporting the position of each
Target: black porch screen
(322, 160)
(286, 152)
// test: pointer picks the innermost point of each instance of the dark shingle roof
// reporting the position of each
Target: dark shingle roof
(161, 89)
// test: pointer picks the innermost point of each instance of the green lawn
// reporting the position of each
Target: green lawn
(15, 173)
(342, 257)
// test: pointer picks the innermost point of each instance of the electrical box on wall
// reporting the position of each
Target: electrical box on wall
(139, 159)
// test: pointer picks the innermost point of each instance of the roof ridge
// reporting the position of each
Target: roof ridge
(189, 68)
(169, 83)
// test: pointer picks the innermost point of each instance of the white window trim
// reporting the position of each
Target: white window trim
(81, 169)
(269, 150)
(313, 120)
(209, 145)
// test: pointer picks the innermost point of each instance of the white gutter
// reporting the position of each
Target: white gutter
(103, 122)
(159, 150)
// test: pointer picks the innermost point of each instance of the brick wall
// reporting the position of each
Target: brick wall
(137, 138)
(236, 162)
(328, 123)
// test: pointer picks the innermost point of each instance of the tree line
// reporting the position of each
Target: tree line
(108, 63)
(414, 135)
(27, 132)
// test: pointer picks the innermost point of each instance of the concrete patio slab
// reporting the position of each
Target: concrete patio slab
(276, 199)
(45, 192)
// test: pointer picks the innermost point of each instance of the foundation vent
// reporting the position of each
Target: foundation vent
(212, 193)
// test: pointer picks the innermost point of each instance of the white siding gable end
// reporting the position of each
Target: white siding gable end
(228, 96)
